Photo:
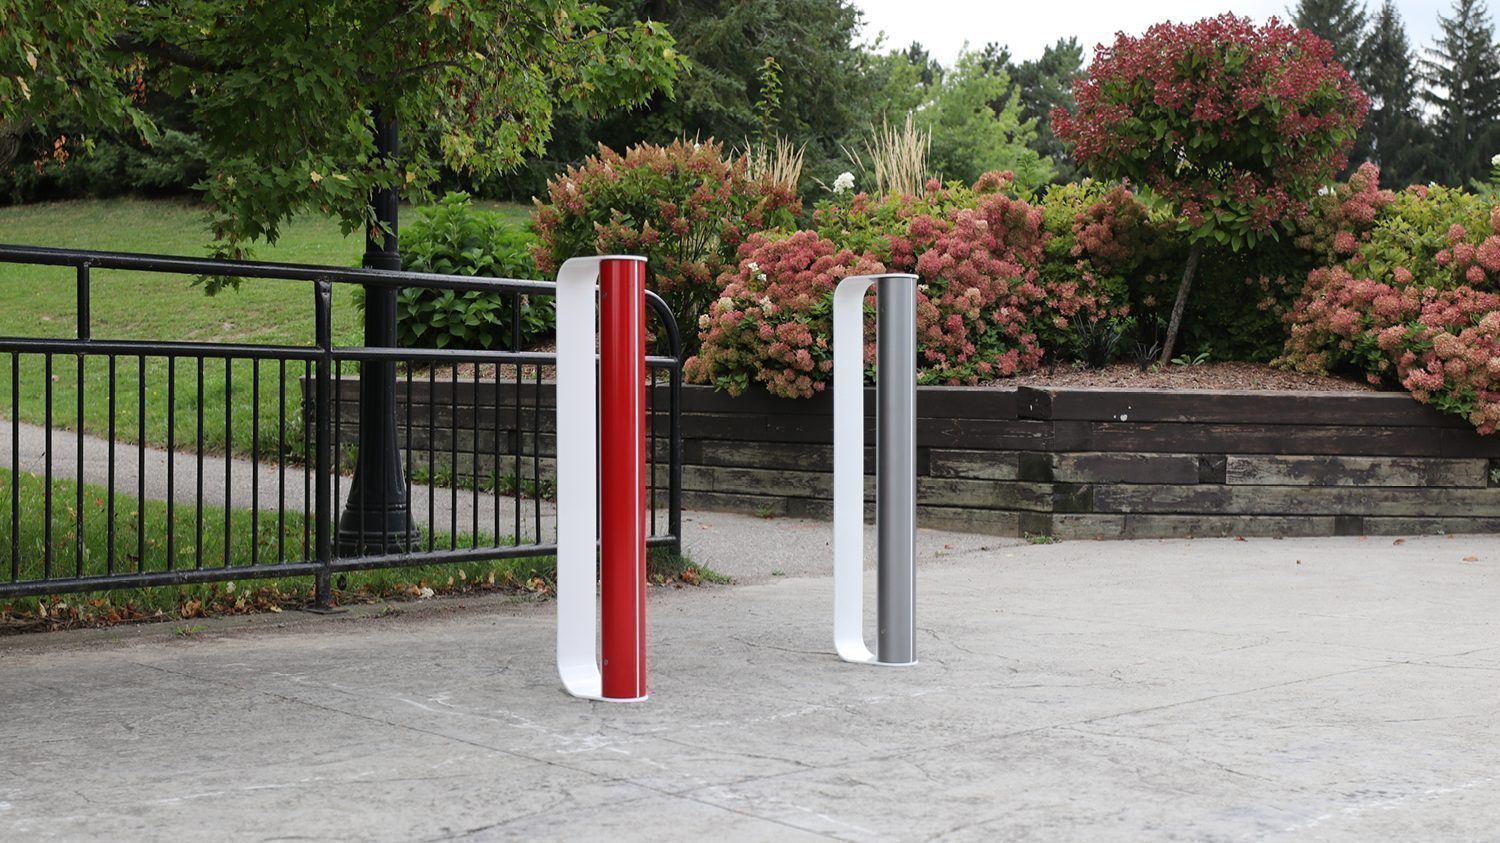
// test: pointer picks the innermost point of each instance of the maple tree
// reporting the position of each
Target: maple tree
(286, 93)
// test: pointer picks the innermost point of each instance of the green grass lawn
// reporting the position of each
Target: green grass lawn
(42, 302)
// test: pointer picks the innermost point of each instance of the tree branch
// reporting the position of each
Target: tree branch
(410, 71)
(131, 43)
(11, 131)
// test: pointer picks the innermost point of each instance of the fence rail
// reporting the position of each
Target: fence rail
(143, 462)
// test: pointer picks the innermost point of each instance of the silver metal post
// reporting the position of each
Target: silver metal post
(896, 467)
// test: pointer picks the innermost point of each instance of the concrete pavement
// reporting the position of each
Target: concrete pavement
(1323, 689)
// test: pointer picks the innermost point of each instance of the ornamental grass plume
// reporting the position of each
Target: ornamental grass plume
(899, 157)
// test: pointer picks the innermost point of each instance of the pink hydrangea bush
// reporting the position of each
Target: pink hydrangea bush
(1411, 302)
(980, 295)
(1343, 216)
(772, 322)
(985, 306)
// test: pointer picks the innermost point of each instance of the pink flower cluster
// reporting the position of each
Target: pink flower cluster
(1342, 218)
(983, 295)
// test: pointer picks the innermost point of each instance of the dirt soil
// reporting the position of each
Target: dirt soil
(1236, 376)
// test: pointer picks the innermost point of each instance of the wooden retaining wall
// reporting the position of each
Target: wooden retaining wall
(1069, 463)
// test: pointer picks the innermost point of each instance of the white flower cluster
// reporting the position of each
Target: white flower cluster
(844, 183)
(1495, 161)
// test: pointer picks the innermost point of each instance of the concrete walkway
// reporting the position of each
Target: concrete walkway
(236, 481)
(1331, 689)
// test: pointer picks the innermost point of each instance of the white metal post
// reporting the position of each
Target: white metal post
(895, 468)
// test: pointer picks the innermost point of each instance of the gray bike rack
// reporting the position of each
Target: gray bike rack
(895, 469)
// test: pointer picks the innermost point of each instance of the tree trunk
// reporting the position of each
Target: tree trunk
(11, 131)
(1177, 306)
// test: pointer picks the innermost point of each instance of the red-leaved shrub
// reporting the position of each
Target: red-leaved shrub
(686, 207)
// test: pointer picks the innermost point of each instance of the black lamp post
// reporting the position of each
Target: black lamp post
(376, 518)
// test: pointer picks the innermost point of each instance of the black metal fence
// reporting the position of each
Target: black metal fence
(141, 462)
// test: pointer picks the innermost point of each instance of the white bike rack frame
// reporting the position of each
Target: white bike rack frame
(895, 468)
(621, 576)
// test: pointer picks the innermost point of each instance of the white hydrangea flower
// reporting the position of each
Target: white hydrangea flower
(1495, 161)
(844, 183)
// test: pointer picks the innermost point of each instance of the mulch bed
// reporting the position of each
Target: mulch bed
(1223, 376)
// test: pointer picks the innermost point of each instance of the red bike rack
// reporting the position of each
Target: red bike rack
(616, 670)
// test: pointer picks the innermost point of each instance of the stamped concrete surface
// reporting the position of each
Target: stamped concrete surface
(1330, 689)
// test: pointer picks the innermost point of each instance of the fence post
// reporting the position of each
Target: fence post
(621, 470)
(323, 445)
(895, 469)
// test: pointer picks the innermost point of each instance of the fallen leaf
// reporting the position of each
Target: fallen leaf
(1399, 541)
(1471, 558)
(1239, 538)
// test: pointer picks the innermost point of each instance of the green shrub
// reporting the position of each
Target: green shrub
(112, 167)
(455, 238)
(685, 207)
(1105, 236)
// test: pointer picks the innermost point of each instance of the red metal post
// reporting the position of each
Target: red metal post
(622, 477)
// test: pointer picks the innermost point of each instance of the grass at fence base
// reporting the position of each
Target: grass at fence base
(534, 576)
(197, 600)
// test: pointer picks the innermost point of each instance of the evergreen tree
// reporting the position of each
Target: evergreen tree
(1045, 84)
(1042, 85)
(1463, 86)
(1400, 143)
(929, 69)
(1342, 24)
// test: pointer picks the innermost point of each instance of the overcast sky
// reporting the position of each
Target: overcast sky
(1029, 25)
